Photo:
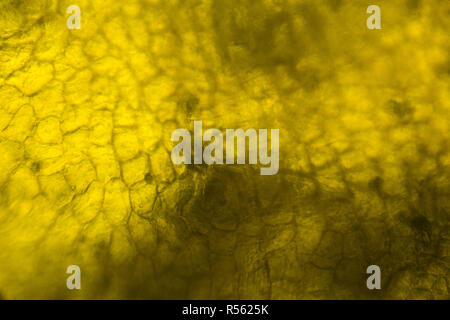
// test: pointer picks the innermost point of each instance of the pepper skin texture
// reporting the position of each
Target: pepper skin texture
(86, 177)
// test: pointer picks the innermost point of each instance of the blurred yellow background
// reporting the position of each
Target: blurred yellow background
(85, 172)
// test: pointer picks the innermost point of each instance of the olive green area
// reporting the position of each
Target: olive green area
(86, 177)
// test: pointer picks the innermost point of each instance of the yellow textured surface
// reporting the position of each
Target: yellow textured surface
(85, 171)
